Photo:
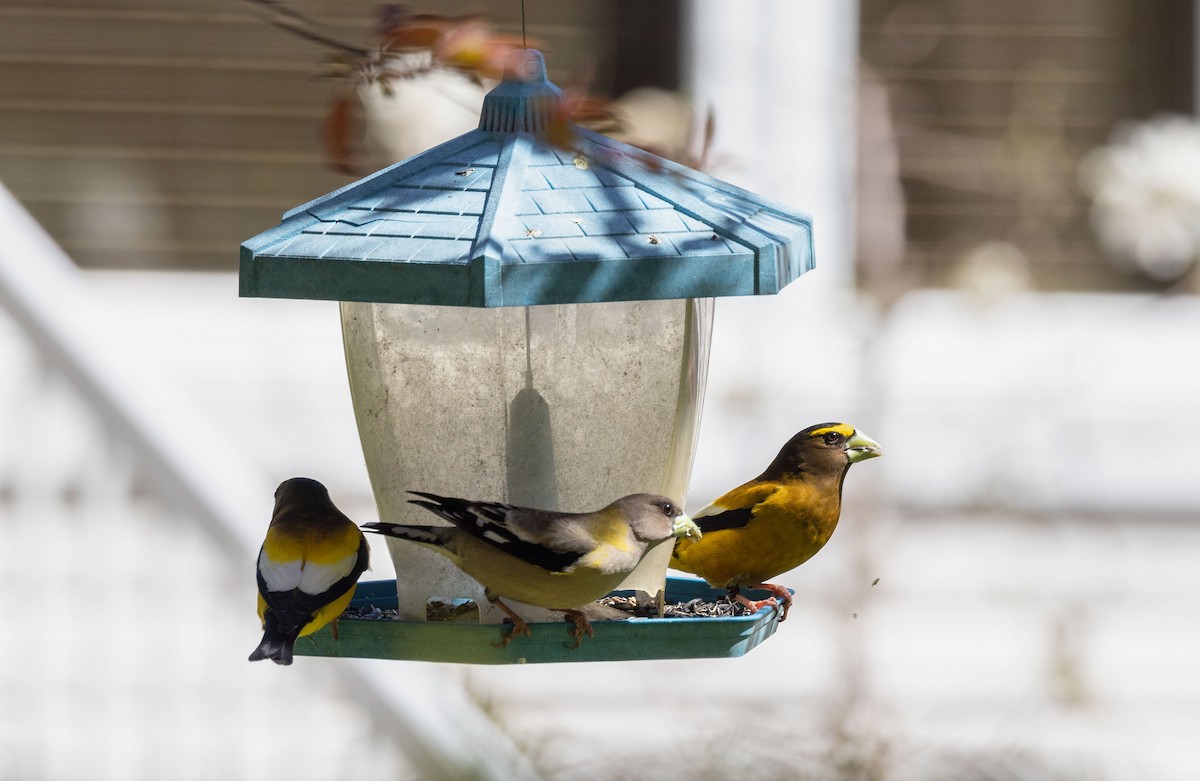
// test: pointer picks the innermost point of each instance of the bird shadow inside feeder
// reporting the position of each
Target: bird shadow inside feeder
(530, 443)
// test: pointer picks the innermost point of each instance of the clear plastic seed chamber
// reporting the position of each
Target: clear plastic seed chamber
(529, 323)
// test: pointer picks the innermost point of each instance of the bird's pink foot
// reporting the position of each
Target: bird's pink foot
(781, 598)
(754, 606)
(783, 595)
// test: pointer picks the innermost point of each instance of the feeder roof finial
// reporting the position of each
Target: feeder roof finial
(525, 102)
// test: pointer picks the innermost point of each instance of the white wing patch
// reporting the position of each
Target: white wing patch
(309, 578)
(712, 509)
(419, 535)
(316, 578)
(279, 575)
(496, 538)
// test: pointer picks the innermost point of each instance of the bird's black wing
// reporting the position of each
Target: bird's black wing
(489, 522)
(726, 519)
(735, 509)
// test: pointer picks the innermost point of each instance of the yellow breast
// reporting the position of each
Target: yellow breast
(790, 524)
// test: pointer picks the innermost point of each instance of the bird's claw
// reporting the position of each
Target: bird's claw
(582, 626)
(517, 627)
(782, 600)
(784, 597)
(753, 606)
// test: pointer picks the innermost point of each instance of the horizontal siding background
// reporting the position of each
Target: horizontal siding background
(163, 133)
(994, 104)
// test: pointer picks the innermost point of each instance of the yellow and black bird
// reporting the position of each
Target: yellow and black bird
(778, 520)
(308, 567)
(548, 559)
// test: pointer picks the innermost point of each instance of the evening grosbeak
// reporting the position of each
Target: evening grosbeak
(307, 569)
(778, 520)
(553, 560)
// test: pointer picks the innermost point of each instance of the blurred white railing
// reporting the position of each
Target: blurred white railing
(123, 604)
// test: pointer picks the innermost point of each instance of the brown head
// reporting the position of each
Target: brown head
(300, 491)
(825, 450)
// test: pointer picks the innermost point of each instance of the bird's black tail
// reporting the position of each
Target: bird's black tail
(276, 642)
(424, 534)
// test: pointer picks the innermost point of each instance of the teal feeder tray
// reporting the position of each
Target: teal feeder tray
(633, 638)
(527, 323)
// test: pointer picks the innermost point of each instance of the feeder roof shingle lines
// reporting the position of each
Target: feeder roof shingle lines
(658, 221)
(547, 247)
(532, 180)
(557, 199)
(415, 200)
(621, 199)
(427, 229)
(701, 243)
(486, 152)
(588, 247)
(452, 177)
(548, 226)
(562, 201)
(391, 248)
(607, 224)
(570, 177)
(441, 240)
(299, 245)
(541, 250)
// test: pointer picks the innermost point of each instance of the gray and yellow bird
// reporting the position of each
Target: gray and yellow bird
(308, 567)
(554, 560)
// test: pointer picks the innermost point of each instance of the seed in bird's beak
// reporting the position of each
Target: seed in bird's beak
(860, 447)
(685, 527)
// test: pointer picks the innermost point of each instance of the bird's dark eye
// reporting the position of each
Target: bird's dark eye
(668, 509)
(832, 438)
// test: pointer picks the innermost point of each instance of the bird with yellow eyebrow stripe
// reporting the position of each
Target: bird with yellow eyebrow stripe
(554, 560)
(308, 567)
(778, 520)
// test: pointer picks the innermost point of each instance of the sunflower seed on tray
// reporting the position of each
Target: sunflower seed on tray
(692, 608)
(442, 611)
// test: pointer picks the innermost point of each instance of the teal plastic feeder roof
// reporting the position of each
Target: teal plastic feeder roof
(497, 217)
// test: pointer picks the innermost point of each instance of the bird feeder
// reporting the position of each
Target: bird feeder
(526, 312)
